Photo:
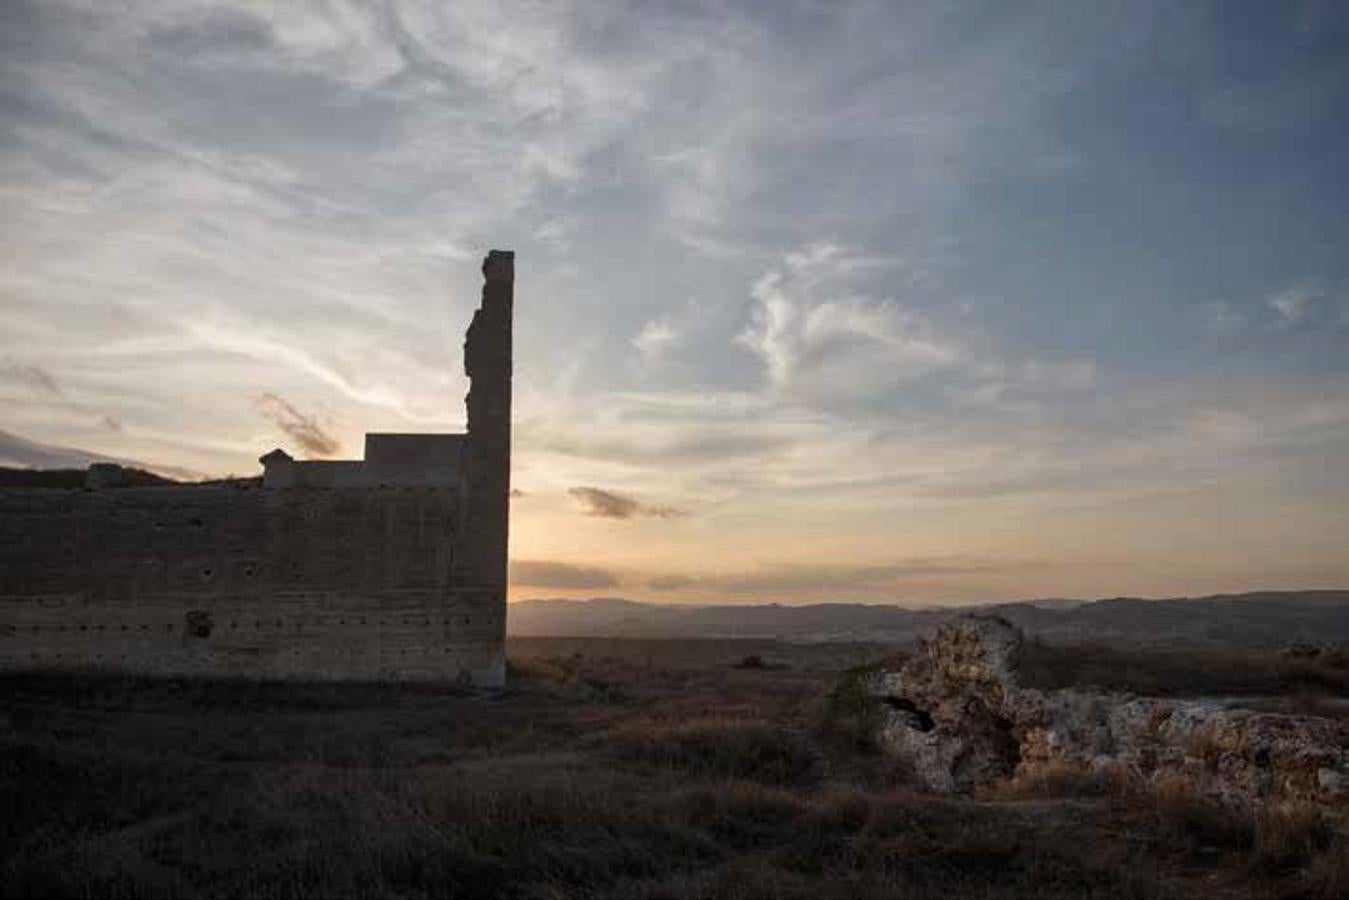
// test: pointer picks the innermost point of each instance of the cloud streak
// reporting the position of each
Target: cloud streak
(304, 430)
(559, 575)
(833, 580)
(604, 504)
(1294, 305)
(33, 377)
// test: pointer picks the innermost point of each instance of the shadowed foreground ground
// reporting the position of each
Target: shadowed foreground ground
(625, 769)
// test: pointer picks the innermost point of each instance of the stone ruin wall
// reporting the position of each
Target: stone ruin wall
(236, 579)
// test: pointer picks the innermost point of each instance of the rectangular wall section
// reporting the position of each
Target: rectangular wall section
(234, 580)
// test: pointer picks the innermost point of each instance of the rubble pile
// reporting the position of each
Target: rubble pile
(958, 713)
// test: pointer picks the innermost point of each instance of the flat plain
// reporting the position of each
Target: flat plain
(611, 768)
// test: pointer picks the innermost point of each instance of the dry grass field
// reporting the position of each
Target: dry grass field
(609, 768)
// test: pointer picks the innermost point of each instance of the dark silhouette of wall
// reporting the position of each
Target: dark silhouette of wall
(399, 576)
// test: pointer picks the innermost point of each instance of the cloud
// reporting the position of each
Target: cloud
(672, 582)
(611, 505)
(556, 233)
(548, 573)
(655, 338)
(1223, 318)
(830, 344)
(605, 504)
(811, 331)
(33, 377)
(1295, 304)
(795, 578)
(305, 430)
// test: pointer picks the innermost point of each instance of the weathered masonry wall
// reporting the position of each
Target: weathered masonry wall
(245, 581)
(390, 581)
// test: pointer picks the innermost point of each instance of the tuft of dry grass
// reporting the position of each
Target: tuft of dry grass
(1057, 779)
(1188, 815)
(1289, 835)
(719, 747)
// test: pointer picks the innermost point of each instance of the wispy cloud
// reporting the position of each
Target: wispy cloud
(655, 338)
(802, 330)
(303, 429)
(1223, 318)
(559, 575)
(613, 505)
(834, 579)
(30, 376)
(1295, 304)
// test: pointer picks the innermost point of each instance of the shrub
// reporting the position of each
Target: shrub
(851, 712)
(1289, 834)
(1185, 813)
(721, 748)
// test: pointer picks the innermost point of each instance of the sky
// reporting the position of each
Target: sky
(816, 301)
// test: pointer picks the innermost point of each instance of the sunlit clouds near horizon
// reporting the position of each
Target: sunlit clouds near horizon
(895, 302)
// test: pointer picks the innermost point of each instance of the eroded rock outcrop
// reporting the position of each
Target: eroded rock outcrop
(959, 714)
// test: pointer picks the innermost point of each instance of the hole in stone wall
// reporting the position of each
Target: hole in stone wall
(196, 522)
(199, 623)
(919, 719)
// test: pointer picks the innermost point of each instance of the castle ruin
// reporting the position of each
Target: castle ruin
(391, 567)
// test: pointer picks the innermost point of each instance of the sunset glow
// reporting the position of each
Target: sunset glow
(915, 303)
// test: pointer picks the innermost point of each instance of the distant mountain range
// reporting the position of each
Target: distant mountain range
(1263, 619)
(19, 452)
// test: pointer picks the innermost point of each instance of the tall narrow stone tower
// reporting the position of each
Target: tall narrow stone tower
(487, 464)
